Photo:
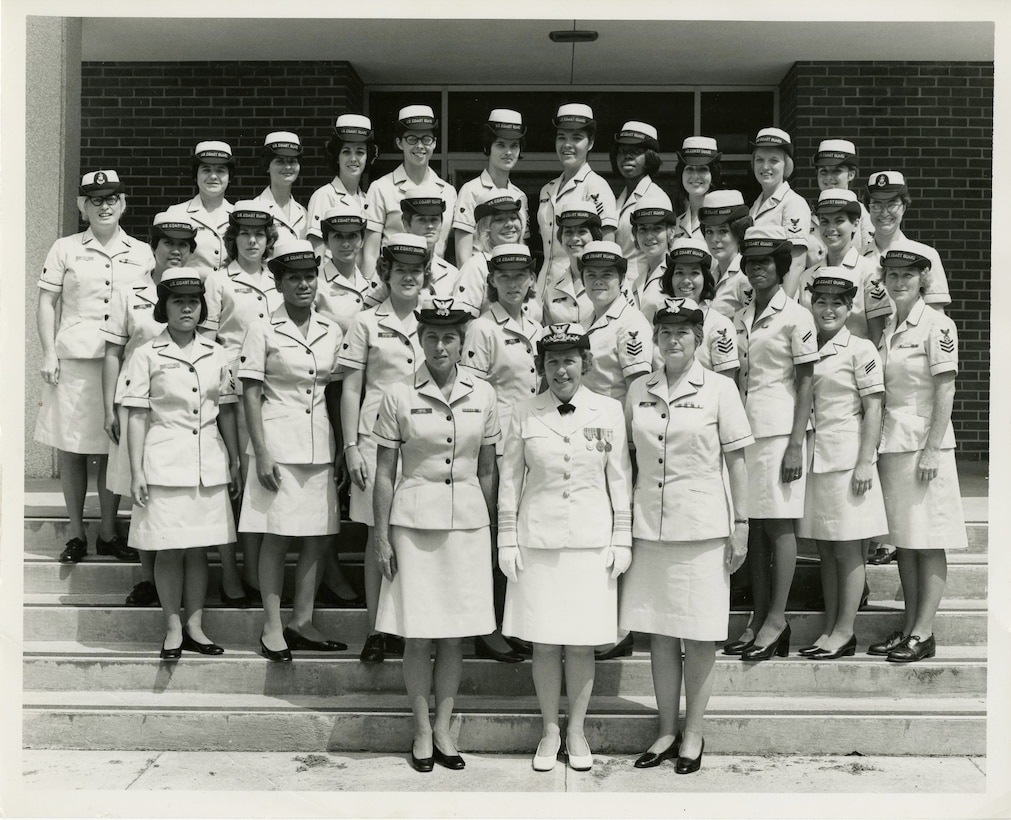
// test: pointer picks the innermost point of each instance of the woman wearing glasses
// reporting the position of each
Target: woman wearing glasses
(80, 274)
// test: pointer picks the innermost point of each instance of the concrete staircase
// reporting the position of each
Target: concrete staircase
(93, 680)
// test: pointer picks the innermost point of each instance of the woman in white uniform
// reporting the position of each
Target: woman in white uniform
(287, 361)
(725, 219)
(653, 231)
(699, 164)
(778, 345)
(836, 164)
(184, 457)
(212, 167)
(280, 160)
(350, 152)
(564, 533)
(80, 275)
(635, 157)
(499, 347)
(578, 187)
(843, 505)
(130, 324)
(565, 299)
(917, 449)
(381, 347)
(433, 534)
(778, 204)
(416, 138)
(502, 142)
(685, 427)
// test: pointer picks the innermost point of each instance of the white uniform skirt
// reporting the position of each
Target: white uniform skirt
(304, 504)
(71, 413)
(360, 509)
(564, 597)
(119, 475)
(833, 513)
(768, 497)
(182, 517)
(922, 514)
(676, 588)
(442, 588)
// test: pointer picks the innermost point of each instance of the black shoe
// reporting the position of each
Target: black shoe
(687, 765)
(647, 760)
(191, 645)
(844, 651)
(809, 650)
(449, 761)
(914, 649)
(228, 600)
(483, 650)
(394, 645)
(143, 594)
(882, 555)
(280, 656)
(622, 649)
(520, 647)
(780, 647)
(298, 641)
(76, 549)
(892, 642)
(253, 595)
(374, 650)
(737, 647)
(171, 654)
(117, 548)
(423, 764)
(327, 597)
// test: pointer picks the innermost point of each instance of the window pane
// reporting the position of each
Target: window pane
(734, 117)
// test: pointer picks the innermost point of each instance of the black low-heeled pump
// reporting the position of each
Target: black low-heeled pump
(780, 647)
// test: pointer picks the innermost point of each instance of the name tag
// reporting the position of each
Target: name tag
(387, 334)
(246, 289)
(908, 345)
(420, 411)
(513, 341)
(143, 306)
(170, 366)
(471, 410)
(647, 404)
(127, 261)
(689, 405)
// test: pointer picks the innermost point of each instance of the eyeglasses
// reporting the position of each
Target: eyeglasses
(413, 140)
(98, 201)
(880, 207)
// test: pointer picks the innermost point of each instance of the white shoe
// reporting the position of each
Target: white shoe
(546, 762)
(580, 763)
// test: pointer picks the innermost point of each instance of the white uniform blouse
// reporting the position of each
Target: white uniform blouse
(323, 199)
(565, 300)
(622, 345)
(182, 390)
(786, 208)
(733, 290)
(210, 254)
(236, 299)
(849, 369)
(645, 194)
(439, 442)
(382, 202)
(86, 274)
(472, 289)
(565, 481)
(938, 293)
(295, 371)
(292, 224)
(770, 347)
(679, 441)
(131, 322)
(472, 190)
(339, 298)
(871, 299)
(923, 346)
(443, 283)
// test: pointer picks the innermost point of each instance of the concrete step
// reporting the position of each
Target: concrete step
(71, 666)
(51, 618)
(381, 722)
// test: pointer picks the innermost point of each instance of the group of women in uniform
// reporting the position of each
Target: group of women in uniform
(668, 395)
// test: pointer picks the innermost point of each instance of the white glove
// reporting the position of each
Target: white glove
(509, 561)
(618, 559)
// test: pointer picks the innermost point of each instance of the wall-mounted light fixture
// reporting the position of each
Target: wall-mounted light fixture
(573, 36)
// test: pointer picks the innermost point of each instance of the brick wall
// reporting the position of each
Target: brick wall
(143, 119)
(933, 122)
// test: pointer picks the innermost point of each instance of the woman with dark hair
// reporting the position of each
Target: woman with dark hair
(565, 299)
(279, 159)
(287, 361)
(184, 462)
(212, 167)
(238, 295)
(836, 164)
(502, 141)
(917, 449)
(686, 427)
(699, 162)
(129, 324)
(724, 219)
(778, 345)
(80, 275)
(653, 231)
(350, 152)
(635, 157)
(342, 286)
(380, 348)
(415, 137)
(564, 533)
(433, 533)
(578, 187)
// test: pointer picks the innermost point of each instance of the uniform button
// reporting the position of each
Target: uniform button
(449, 481)
(659, 461)
(194, 390)
(309, 352)
(215, 253)
(567, 475)
(568, 458)
(106, 301)
(410, 361)
(449, 418)
(307, 412)
(449, 441)
(194, 432)
(357, 301)
(108, 282)
(532, 370)
(261, 315)
(449, 461)
(107, 264)
(192, 370)
(107, 316)
(196, 412)
(659, 438)
(659, 484)
(566, 439)
(565, 494)
(259, 298)
(663, 415)
(308, 392)
(311, 372)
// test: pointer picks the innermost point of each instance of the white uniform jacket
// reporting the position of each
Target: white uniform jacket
(382, 203)
(472, 190)
(786, 208)
(131, 322)
(86, 274)
(236, 299)
(871, 299)
(295, 371)
(733, 290)
(622, 345)
(443, 283)
(645, 194)
(439, 442)
(565, 481)
(182, 391)
(339, 298)
(565, 300)
(938, 293)
(294, 223)
(679, 442)
(323, 199)
(210, 254)
(472, 289)
(923, 346)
